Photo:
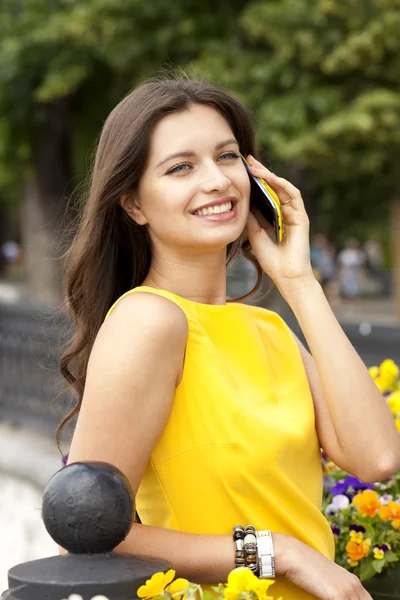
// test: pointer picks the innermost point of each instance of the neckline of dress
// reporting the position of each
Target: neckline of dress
(197, 304)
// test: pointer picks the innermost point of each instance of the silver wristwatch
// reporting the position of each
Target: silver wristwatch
(266, 557)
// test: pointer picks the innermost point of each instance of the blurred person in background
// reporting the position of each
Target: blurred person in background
(323, 258)
(375, 265)
(351, 264)
(11, 256)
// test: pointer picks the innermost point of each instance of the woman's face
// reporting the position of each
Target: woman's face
(193, 163)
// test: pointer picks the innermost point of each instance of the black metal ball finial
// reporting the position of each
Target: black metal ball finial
(88, 507)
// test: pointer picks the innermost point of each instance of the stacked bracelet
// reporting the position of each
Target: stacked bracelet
(250, 549)
(246, 547)
(254, 549)
(238, 538)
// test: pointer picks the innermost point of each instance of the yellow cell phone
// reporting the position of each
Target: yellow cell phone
(265, 199)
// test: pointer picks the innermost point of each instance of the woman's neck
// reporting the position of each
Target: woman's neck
(200, 279)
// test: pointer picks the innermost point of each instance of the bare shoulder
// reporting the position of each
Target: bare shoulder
(149, 311)
(132, 375)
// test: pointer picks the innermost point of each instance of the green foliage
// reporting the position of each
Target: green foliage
(93, 51)
(323, 78)
(321, 75)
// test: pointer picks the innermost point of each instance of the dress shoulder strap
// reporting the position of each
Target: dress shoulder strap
(143, 288)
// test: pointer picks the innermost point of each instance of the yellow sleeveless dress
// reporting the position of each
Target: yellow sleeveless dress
(240, 445)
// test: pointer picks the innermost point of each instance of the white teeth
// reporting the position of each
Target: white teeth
(211, 210)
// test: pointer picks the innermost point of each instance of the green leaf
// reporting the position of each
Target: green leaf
(367, 570)
(391, 556)
(378, 565)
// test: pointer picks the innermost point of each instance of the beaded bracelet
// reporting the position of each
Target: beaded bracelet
(238, 538)
(250, 548)
(246, 554)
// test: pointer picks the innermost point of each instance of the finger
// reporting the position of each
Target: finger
(287, 193)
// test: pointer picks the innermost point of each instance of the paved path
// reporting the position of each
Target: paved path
(376, 311)
(27, 461)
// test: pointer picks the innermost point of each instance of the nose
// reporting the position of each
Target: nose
(214, 180)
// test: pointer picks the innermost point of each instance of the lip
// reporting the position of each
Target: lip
(217, 202)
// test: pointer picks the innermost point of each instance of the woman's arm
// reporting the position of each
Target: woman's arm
(197, 557)
(355, 426)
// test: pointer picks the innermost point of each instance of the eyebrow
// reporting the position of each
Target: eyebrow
(190, 153)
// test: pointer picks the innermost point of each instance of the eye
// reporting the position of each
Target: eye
(181, 168)
(177, 169)
(229, 155)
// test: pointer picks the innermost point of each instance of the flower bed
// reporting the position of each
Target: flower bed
(365, 518)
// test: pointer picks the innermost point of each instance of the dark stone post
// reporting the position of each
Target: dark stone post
(88, 509)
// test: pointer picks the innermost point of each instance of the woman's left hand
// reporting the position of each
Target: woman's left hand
(289, 261)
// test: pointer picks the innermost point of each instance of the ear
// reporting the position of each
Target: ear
(130, 205)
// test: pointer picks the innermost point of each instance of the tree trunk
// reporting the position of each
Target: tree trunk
(44, 202)
(395, 227)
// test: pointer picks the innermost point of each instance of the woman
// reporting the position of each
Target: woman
(213, 410)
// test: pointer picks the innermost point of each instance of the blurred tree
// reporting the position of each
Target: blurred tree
(324, 79)
(63, 65)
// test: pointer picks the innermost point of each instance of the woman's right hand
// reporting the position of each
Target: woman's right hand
(311, 571)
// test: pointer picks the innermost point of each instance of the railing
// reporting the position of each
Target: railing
(30, 342)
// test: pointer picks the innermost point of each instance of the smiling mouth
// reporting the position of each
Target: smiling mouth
(218, 209)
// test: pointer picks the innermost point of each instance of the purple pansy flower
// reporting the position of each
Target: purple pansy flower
(335, 530)
(342, 486)
(357, 528)
(385, 499)
(383, 547)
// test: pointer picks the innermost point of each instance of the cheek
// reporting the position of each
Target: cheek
(164, 201)
(242, 182)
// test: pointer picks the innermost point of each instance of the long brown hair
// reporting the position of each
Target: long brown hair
(110, 254)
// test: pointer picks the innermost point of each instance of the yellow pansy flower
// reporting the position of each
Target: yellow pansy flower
(397, 422)
(394, 402)
(389, 370)
(396, 523)
(156, 585)
(374, 372)
(388, 373)
(352, 563)
(378, 553)
(356, 536)
(178, 587)
(260, 588)
(239, 581)
(242, 580)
